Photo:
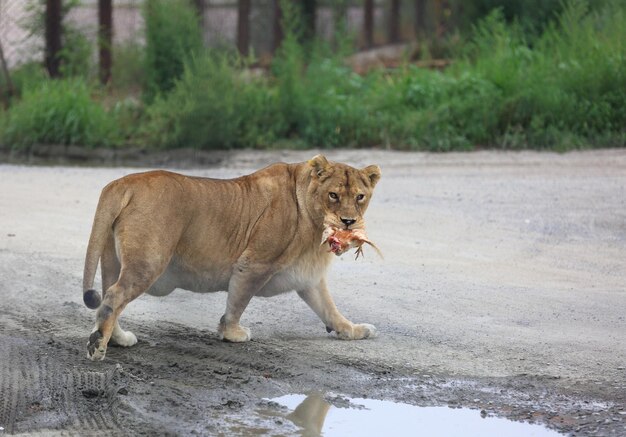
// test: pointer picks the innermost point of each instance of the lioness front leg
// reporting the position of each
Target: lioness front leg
(243, 285)
(320, 301)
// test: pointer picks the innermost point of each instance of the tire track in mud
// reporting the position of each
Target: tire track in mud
(41, 390)
(10, 387)
(179, 380)
(204, 350)
(91, 385)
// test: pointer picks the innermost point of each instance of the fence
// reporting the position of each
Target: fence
(250, 25)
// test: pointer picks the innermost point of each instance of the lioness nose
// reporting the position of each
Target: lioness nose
(348, 222)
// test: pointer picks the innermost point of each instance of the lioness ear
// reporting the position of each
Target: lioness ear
(319, 163)
(373, 174)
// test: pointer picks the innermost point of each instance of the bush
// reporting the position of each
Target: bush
(76, 51)
(561, 90)
(76, 54)
(172, 37)
(23, 76)
(321, 102)
(532, 15)
(58, 112)
(128, 67)
(572, 80)
(215, 105)
(448, 112)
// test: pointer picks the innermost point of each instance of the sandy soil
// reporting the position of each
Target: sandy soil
(502, 289)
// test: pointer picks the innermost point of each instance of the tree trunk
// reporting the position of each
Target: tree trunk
(53, 37)
(200, 8)
(439, 18)
(278, 26)
(309, 9)
(10, 90)
(420, 18)
(105, 38)
(243, 26)
(368, 23)
(394, 21)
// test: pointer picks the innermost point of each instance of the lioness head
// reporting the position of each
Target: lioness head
(340, 194)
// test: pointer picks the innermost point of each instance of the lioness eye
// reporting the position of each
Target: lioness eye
(333, 196)
(360, 197)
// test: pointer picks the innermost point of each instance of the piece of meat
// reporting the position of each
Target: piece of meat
(342, 240)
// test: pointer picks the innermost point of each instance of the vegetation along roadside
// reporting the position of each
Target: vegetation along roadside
(561, 88)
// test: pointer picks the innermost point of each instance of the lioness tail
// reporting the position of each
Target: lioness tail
(111, 203)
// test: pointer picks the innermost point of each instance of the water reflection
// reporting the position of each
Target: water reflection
(367, 417)
(310, 414)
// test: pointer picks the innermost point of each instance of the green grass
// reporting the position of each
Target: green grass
(214, 105)
(58, 112)
(172, 37)
(561, 90)
(567, 90)
(564, 90)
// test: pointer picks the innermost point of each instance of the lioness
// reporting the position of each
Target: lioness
(256, 235)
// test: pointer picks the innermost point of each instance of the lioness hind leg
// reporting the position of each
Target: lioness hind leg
(320, 301)
(119, 337)
(135, 278)
(144, 253)
(110, 268)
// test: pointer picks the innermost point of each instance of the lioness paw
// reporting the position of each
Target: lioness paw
(358, 332)
(96, 349)
(124, 338)
(234, 334)
(366, 330)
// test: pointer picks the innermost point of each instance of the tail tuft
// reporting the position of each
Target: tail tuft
(92, 299)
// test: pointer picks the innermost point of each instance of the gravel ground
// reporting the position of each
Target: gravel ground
(502, 290)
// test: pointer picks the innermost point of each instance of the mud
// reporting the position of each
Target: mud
(502, 291)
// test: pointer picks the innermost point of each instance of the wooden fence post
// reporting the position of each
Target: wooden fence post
(420, 18)
(394, 21)
(7, 77)
(243, 26)
(105, 38)
(200, 8)
(278, 26)
(53, 37)
(309, 12)
(368, 23)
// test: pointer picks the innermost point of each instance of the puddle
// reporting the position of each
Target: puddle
(316, 416)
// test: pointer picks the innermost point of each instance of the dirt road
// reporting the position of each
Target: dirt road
(503, 289)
